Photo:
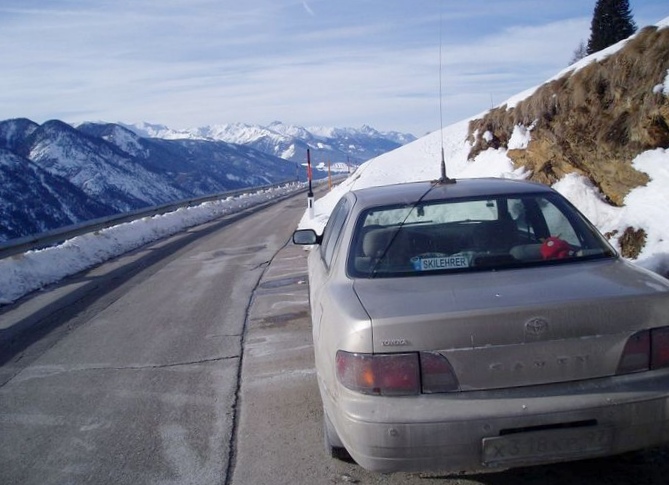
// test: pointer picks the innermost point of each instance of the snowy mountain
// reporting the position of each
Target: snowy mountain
(100, 169)
(53, 174)
(56, 174)
(197, 165)
(335, 145)
(35, 200)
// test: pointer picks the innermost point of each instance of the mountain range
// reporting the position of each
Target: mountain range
(56, 174)
(335, 145)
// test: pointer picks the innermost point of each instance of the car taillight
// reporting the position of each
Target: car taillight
(636, 354)
(437, 373)
(395, 374)
(645, 350)
(382, 374)
(659, 342)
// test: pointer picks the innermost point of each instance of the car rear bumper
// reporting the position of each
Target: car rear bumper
(496, 430)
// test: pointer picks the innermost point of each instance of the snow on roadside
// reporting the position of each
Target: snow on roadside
(643, 208)
(21, 274)
(646, 208)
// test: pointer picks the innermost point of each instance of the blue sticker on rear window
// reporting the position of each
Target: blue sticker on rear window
(432, 262)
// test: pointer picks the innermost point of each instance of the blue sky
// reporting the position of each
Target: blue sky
(345, 63)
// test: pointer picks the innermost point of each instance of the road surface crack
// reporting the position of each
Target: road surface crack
(143, 366)
(236, 404)
(173, 364)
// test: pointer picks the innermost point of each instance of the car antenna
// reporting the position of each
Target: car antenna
(444, 179)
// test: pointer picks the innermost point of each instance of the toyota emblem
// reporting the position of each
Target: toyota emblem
(536, 326)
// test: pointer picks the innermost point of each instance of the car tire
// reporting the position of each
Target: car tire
(333, 445)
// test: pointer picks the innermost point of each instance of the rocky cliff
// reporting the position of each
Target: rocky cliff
(593, 120)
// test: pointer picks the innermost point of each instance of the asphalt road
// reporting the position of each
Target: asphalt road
(190, 362)
(129, 373)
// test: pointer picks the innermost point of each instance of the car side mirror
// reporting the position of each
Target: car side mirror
(306, 237)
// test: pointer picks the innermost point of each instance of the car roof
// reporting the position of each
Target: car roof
(462, 188)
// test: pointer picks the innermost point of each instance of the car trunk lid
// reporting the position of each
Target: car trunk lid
(517, 327)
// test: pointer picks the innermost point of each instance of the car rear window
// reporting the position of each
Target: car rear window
(470, 235)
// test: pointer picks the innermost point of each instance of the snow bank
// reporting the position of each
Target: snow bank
(32, 270)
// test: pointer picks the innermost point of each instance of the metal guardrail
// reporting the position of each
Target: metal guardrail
(49, 238)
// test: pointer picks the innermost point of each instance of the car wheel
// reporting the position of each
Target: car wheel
(333, 445)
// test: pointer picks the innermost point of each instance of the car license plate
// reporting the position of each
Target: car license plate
(546, 446)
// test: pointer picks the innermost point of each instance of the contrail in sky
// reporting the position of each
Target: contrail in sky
(308, 9)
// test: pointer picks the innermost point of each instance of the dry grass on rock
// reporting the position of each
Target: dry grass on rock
(594, 121)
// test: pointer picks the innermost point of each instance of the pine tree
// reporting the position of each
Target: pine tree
(611, 22)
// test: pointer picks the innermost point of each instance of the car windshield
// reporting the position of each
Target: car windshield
(469, 235)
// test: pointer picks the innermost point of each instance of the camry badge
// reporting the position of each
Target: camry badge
(536, 327)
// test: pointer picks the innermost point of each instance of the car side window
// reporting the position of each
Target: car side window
(333, 230)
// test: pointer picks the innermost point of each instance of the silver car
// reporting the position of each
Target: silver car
(482, 325)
